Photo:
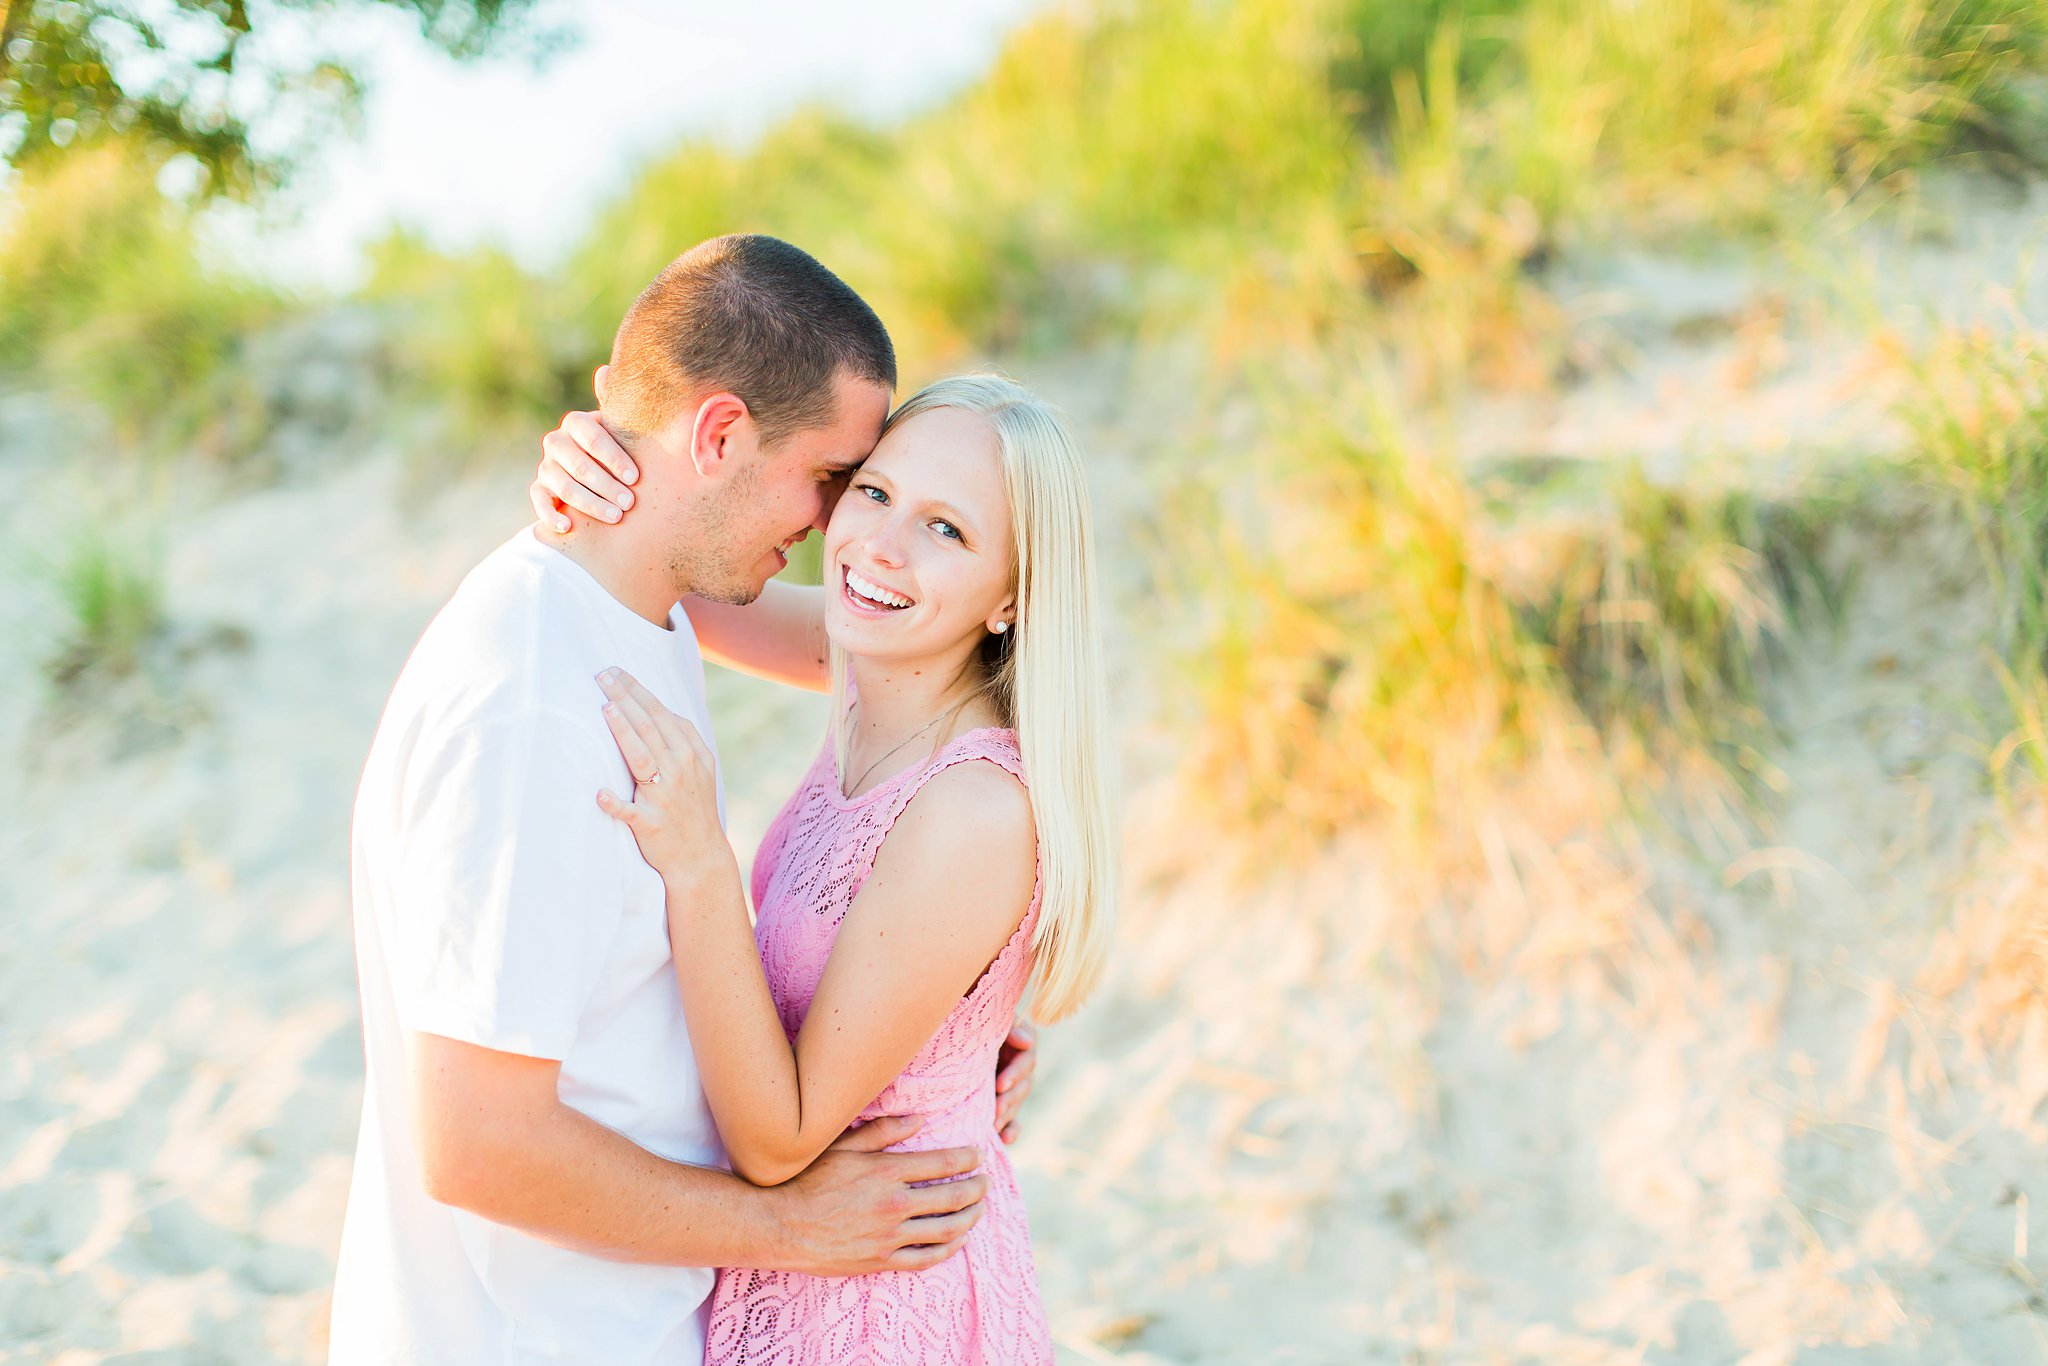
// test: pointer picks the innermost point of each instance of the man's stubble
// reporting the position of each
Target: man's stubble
(713, 558)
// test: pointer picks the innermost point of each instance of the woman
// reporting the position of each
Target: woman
(948, 850)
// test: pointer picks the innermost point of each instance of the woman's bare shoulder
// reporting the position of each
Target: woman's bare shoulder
(970, 823)
(978, 793)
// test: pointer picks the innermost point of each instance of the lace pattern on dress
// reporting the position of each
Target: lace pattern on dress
(980, 1306)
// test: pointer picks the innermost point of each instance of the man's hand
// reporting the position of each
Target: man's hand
(1016, 1065)
(858, 1209)
(495, 1139)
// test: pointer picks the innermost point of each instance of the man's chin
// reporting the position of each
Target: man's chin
(732, 594)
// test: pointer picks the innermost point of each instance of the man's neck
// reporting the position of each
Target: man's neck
(641, 580)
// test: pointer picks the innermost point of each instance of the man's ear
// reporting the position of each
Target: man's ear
(597, 383)
(723, 430)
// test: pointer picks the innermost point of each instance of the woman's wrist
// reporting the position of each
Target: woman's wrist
(692, 882)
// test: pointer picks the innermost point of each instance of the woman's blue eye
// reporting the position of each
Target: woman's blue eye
(875, 495)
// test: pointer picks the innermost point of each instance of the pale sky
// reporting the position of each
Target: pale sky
(495, 151)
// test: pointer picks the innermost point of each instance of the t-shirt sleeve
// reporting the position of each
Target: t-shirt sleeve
(509, 886)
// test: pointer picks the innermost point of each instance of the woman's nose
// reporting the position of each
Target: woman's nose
(885, 543)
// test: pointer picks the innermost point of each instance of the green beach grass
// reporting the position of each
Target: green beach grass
(1278, 184)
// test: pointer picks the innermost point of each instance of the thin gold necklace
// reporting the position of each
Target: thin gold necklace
(951, 711)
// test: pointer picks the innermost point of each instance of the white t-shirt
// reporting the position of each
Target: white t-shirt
(495, 904)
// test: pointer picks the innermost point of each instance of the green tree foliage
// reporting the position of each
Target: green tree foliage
(184, 76)
(105, 294)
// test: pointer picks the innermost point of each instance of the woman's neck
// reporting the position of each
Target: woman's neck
(898, 696)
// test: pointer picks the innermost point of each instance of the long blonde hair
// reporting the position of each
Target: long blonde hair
(1045, 679)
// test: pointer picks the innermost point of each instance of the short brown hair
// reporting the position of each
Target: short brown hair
(750, 315)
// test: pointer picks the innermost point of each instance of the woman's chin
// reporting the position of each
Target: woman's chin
(849, 637)
(843, 634)
(867, 637)
(880, 647)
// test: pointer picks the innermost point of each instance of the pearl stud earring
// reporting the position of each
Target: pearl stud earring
(1000, 627)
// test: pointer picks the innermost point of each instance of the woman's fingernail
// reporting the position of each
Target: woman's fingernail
(632, 474)
(562, 525)
(625, 500)
(608, 676)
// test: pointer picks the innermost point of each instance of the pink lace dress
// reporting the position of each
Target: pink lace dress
(979, 1307)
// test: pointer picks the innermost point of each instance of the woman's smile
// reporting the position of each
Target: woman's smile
(868, 597)
(923, 529)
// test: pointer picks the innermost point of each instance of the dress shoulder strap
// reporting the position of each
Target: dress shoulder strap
(996, 744)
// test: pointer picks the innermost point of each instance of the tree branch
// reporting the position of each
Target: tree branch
(13, 19)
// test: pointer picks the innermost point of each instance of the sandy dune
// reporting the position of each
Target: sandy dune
(1706, 1113)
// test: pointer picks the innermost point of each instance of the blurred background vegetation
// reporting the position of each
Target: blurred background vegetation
(1346, 212)
(1318, 278)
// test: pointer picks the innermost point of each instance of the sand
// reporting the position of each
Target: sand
(1707, 1112)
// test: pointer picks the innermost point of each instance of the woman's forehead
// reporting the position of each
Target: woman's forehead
(945, 452)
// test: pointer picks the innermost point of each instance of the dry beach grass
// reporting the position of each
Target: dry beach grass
(1576, 539)
(1528, 1095)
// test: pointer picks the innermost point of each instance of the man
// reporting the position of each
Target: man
(537, 1176)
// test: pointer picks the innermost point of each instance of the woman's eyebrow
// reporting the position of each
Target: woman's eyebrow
(952, 514)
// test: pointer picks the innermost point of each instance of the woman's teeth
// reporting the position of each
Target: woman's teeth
(874, 592)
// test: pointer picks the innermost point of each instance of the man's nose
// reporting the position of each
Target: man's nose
(829, 494)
